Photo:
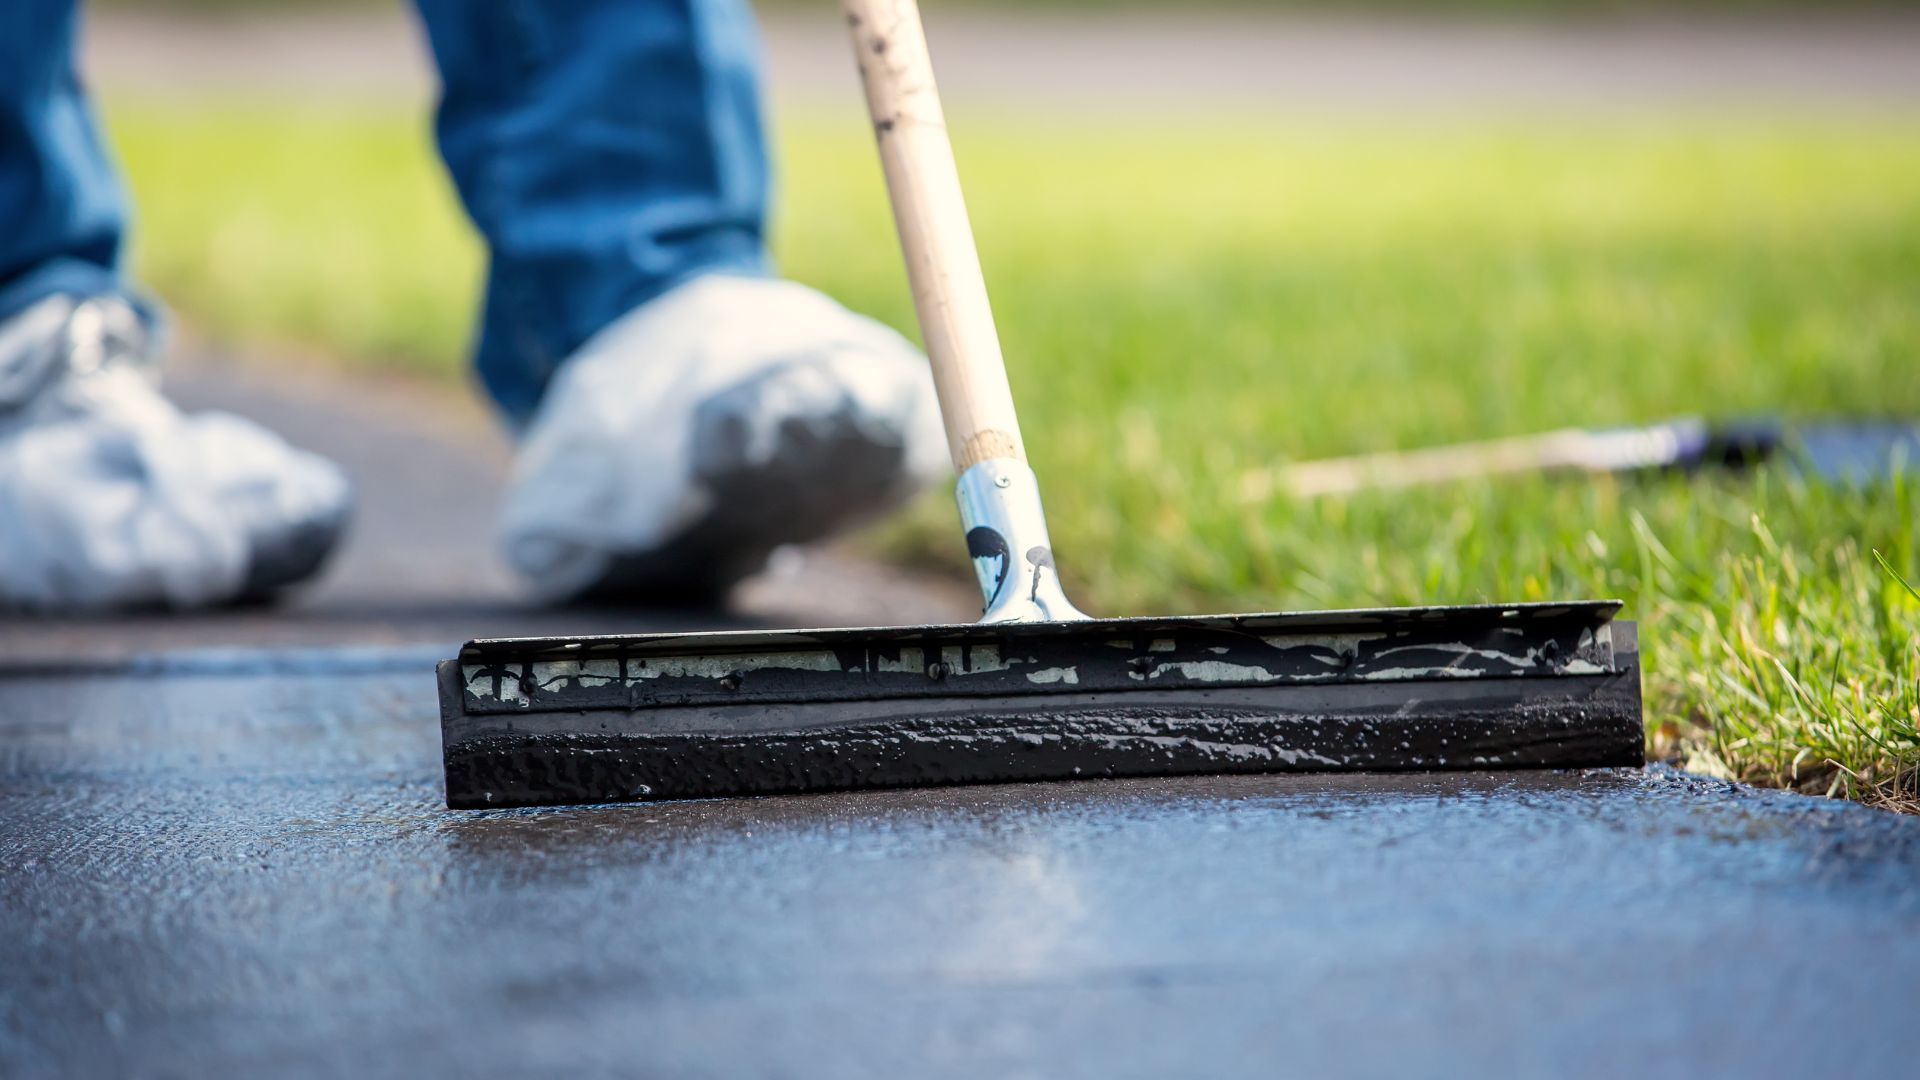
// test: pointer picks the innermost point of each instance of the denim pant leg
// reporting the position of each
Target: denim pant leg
(607, 150)
(62, 212)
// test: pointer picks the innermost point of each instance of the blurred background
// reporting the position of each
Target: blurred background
(1239, 235)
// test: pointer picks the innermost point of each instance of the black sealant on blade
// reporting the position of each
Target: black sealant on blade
(552, 720)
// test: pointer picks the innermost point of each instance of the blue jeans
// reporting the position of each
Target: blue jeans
(606, 150)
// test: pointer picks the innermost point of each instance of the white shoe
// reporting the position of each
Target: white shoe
(111, 498)
(687, 441)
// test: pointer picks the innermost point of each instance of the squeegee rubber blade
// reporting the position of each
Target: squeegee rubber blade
(585, 720)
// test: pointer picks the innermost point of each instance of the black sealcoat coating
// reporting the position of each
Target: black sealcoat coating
(254, 874)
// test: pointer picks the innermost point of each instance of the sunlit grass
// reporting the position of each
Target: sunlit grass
(274, 223)
(1186, 300)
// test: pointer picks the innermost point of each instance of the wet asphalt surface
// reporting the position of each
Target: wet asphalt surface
(224, 851)
(226, 875)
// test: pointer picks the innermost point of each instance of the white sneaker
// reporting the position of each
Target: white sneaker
(111, 498)
(687, 441)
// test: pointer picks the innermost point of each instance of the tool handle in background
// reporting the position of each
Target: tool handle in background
(1679, 442)
(943, 266)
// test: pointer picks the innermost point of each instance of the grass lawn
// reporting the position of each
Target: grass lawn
(1187, 299)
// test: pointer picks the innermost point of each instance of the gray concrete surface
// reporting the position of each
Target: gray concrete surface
(1174, 56)
(253, 875)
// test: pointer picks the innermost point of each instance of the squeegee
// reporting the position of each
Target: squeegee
(1035, 690)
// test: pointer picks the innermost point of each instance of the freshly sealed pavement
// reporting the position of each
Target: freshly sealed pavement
(224, 850)
(243, 874)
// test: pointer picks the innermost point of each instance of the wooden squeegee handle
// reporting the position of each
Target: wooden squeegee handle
(943, 265)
